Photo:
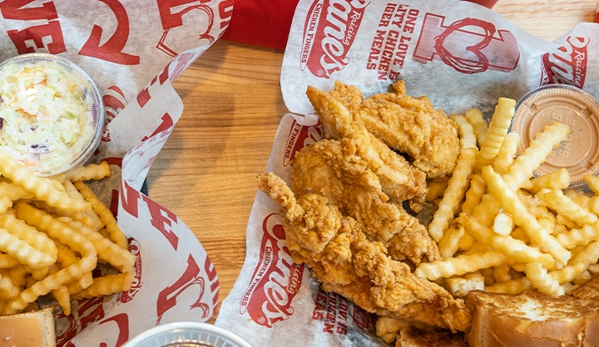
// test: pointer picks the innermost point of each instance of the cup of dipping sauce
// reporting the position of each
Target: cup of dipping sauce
(579, 154)
(51, 113)
(186, 334)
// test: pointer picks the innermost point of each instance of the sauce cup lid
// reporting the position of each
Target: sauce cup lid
(579, 154)
(186, 334)
(52, 115)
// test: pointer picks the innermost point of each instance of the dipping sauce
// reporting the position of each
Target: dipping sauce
(579, 154)
(51, 112)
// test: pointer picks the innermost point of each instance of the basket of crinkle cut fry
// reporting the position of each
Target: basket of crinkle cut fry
(57, 239)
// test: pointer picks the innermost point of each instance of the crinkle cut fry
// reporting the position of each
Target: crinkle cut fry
(496, 132)
(67, 257)
(63, 297)
(516, 249)
(42, 188)
(536, 153)
(7, 262)
(510, 202)
(107, 250)
(560, 203)
(475, 117)
(9, 193)
(29, 234)
(107, 285)
(8, 289)
(459, 265)
(90, 172)
(465, 130)
(524, 166)
(457, 186)
(116, 234)
(542, 281)
(90, 218)
(24, 252)
(54, 281)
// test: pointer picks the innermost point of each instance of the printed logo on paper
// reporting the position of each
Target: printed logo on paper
(391, 41)
(338, 313)
(299, 137)
(276, 279)
(469, 45)
(194, 281)
(171, 15)
(136, 283)
(329, 32)
(567, 65)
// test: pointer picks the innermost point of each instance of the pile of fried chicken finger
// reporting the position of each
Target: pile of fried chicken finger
(346, 213)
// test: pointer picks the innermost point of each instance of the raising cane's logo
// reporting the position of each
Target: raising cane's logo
(135, 249)
(299, 137)
(276, 279)
(567, 65)
(329, 32)
(468, 45)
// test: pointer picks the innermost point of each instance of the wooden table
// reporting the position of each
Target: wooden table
(206, 172)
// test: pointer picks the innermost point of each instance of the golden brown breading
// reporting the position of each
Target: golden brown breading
(346, 262)
(406, 124)
(344, 217)
(333, 169)
(399, 179)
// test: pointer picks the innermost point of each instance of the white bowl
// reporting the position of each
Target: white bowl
(186, 334)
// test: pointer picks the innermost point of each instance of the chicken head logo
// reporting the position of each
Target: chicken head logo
(468, 45)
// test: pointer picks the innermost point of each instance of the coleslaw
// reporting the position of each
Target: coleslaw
(50, 112)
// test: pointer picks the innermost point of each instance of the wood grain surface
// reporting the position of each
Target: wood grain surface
(206, 172)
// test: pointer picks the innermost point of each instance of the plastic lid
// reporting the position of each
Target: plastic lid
(52, 115)
(187, 334)
(569, 105)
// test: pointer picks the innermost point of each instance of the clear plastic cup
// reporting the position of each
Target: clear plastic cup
(186, 334)
(52, 115)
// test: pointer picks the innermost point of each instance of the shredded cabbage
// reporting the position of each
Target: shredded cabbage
(42, 108)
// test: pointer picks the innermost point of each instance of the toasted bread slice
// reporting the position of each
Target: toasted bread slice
(533, 319)
(416, 337)
(29, 329)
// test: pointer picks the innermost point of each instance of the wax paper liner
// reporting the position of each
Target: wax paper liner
(460, 55)
(133, 50)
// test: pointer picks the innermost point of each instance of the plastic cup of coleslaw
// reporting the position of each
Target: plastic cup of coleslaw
(186, 334)
(51, 113)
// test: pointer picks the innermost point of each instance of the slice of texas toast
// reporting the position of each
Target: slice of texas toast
(533, 319)
(31, 329)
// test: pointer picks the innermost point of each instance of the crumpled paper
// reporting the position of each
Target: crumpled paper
(133, 50)
(458, 54)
